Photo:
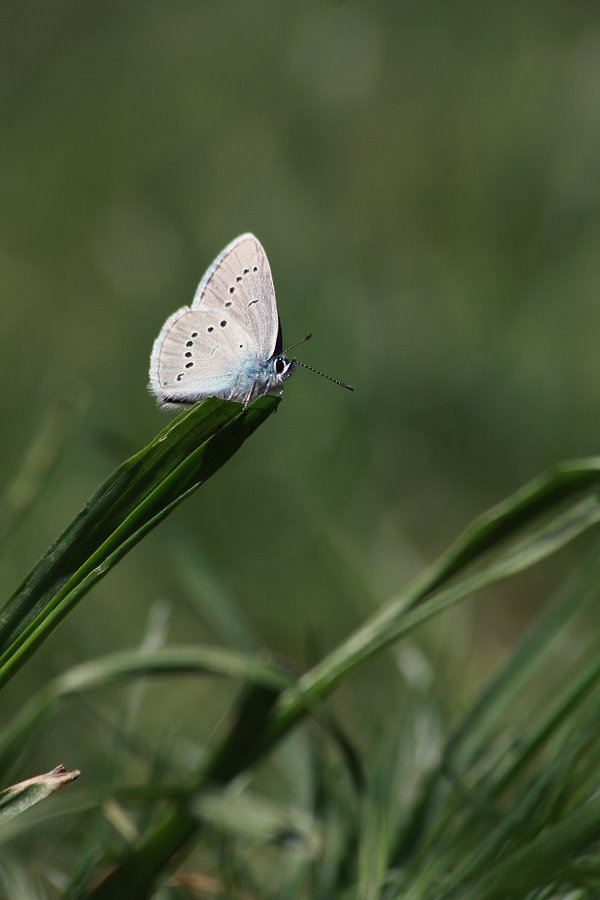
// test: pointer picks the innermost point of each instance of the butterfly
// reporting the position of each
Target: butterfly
(228, 342)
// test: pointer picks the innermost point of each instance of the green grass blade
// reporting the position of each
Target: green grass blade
(240, 748)
(534, 864)
(481, 837)
(35, 715)
(532, 524)
(563, 483)
(134, 500)
(543, 520)
(473, 733)
(374, 846)
(560, 711)
(477, 731)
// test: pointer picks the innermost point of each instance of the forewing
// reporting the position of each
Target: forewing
(239, 283)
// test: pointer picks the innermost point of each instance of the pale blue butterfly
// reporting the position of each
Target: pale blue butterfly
(228, 342)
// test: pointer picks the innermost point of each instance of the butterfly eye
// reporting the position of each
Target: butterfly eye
(279, 366)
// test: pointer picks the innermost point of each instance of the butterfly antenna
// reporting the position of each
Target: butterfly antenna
(297, 344)
(323, 375)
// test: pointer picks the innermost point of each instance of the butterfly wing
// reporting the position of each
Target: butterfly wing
(216, 347)
(240, 280)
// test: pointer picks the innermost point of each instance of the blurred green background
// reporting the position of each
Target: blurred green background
(425, 180)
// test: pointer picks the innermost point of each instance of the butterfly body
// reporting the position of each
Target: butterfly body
(228, 342)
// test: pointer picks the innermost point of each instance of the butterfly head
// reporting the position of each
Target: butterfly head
(282, 368)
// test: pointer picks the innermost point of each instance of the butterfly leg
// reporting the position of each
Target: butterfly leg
(248, 396)
(234, 392)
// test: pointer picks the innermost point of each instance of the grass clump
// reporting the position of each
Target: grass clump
(500, 803)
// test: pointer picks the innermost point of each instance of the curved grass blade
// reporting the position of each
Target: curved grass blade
(42, 708)
(139, 494)
(535, 522)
